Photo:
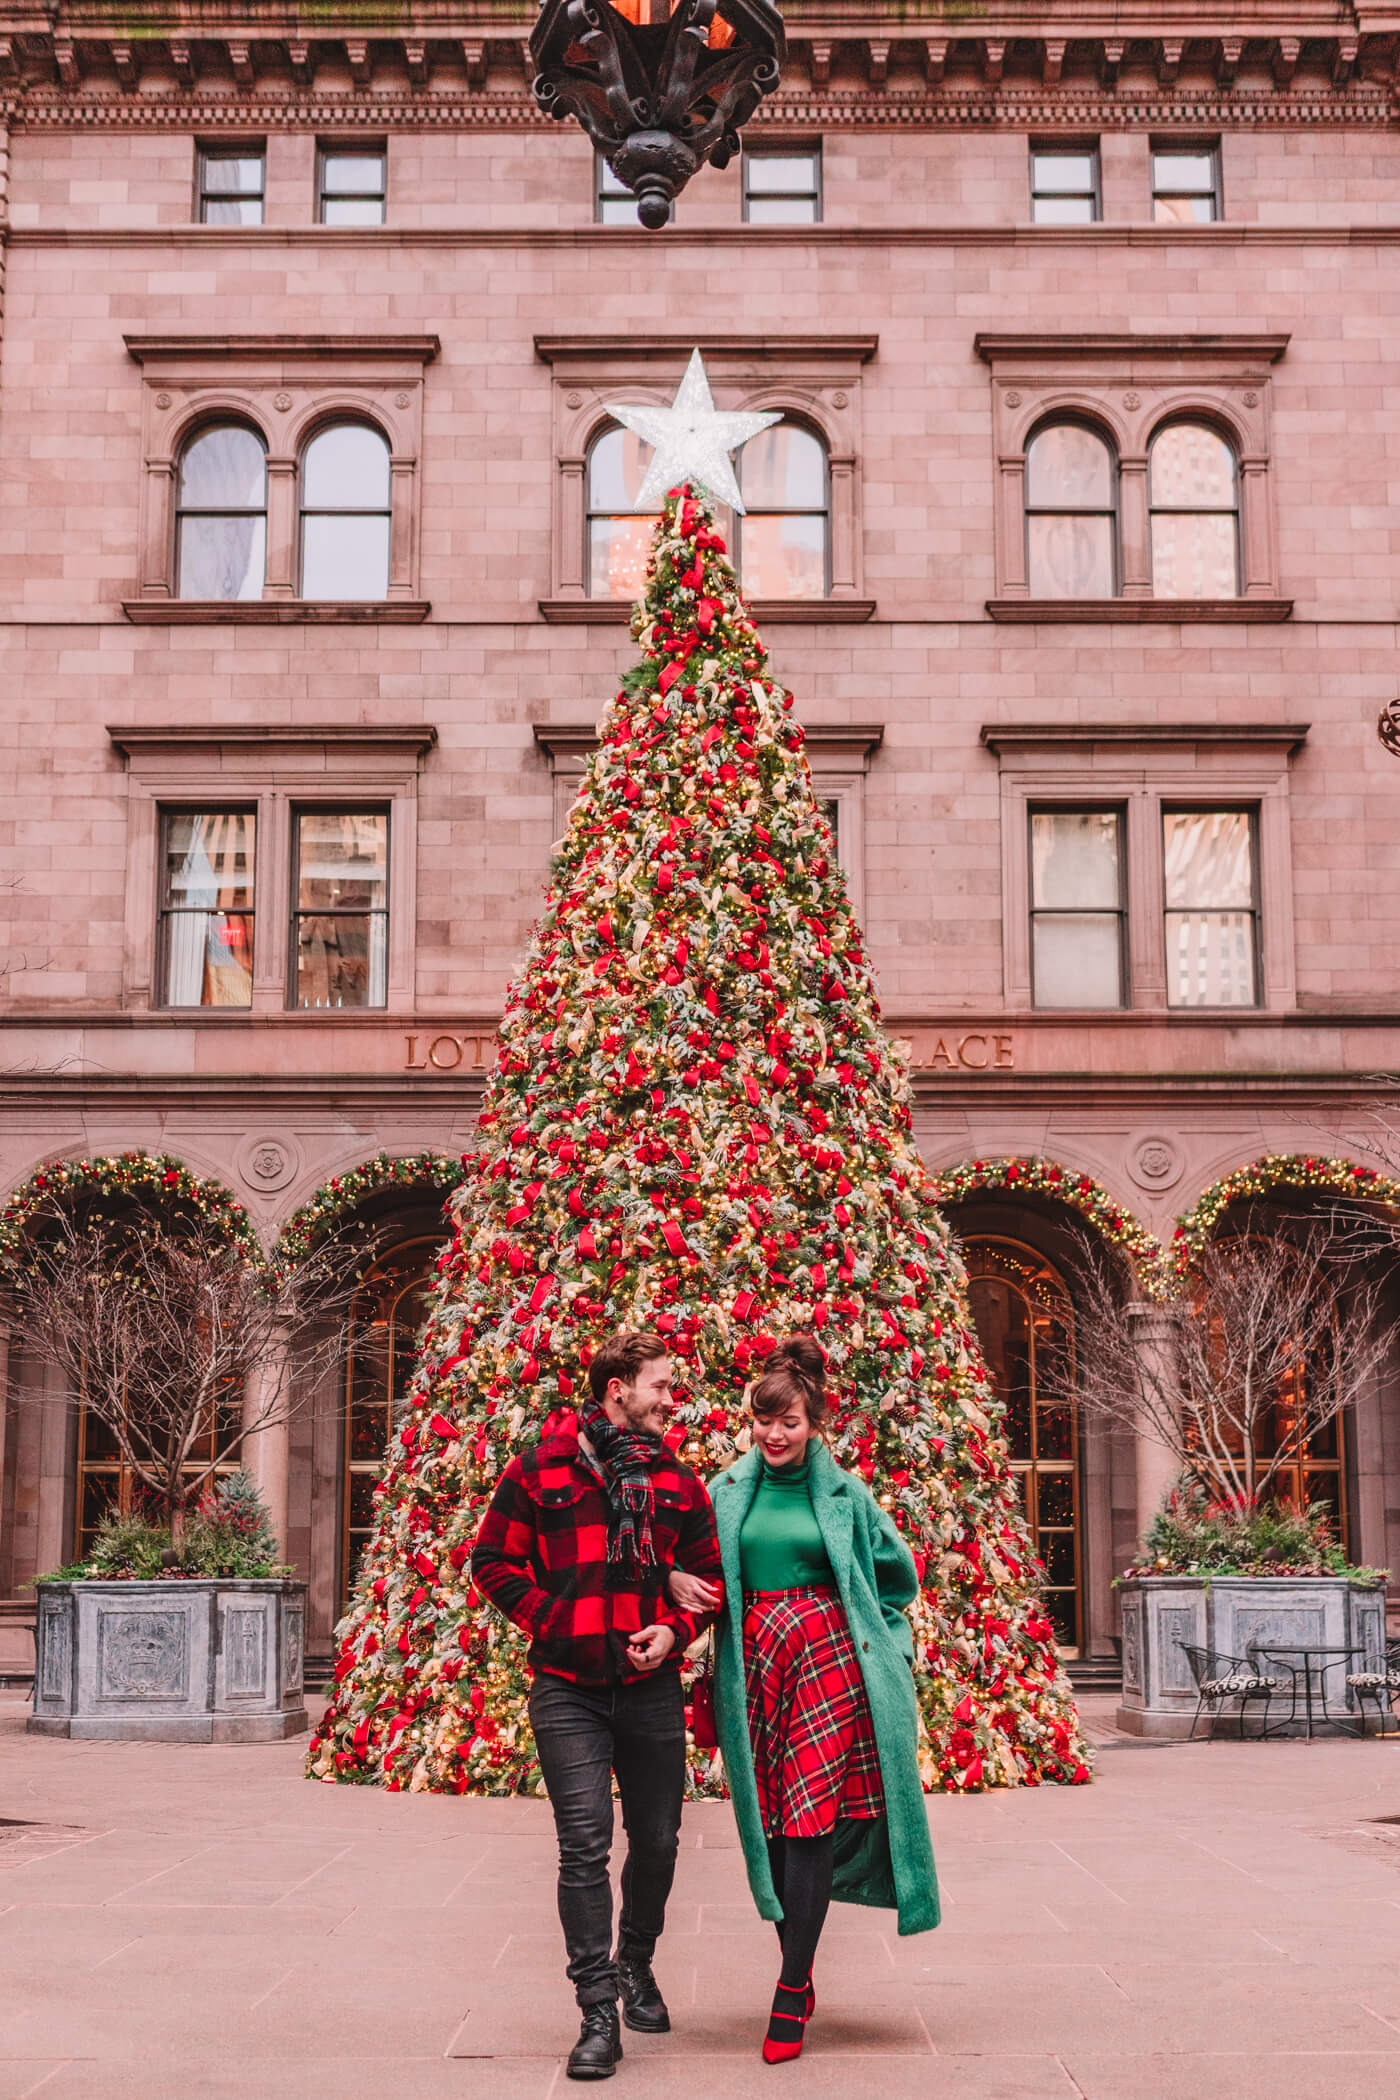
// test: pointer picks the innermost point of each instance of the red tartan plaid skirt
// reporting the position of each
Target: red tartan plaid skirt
(813, 1741)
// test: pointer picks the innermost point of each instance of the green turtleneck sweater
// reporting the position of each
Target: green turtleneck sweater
(780, 1545)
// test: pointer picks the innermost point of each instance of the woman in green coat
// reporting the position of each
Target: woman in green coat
(814, 1692)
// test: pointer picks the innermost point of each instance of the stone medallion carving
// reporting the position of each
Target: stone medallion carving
(1154, 1160)
(1013, 398)
(402, 399)
(282, 401)
(268, 1163)
(1132, 399)
(142, 1655)
(163, 400)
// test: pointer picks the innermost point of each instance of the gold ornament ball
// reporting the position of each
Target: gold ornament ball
(887, 1501)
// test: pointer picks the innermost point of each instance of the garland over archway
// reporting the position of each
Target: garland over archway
(1278, 1170)
(1079, 1192)
(339, 1197)
(142, 1176)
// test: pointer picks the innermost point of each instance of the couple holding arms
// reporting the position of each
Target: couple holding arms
(608, 1552)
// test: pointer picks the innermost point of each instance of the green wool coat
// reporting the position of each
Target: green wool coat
(887, 1862)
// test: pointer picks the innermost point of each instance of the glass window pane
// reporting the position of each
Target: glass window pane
(1067, 468)
(1062, 171)
(1069, 557)
(1192, 468)
(1054, 1500)
(353, 211)
(1076, 959)
(1057, 1552)
(1194, 557)
(610, 185)
(1183, 211)
(1183, 171)
(352, 171)
(784, 557)
(1062, 211)
(1210, 958)
(224, 469)
(617, 556)
(208, 959)
(341, 959)
(617, 211)
(783, 468)
(780, 171)
(342, 860)
(209, 859)
(345, 557)
(237, 172)
(1209, 858)
(1074, 859)
(617, 467)
(346, 468)
(782, 211)
(232, 211)
(220, 557)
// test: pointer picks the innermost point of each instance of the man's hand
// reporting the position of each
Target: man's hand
(692, 1593)
(648, 1649)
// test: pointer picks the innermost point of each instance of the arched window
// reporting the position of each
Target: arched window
(619, 539)
(345, 513)
(1193, 492)
(1071, 513)
(1025, 1327)
(784, 537)
(221, 514)
(389, 1309)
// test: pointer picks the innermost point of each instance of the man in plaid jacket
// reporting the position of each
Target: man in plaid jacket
(576, 1548)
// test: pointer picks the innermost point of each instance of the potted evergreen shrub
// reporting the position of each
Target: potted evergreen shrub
(1241, 1369)
(180, 1342)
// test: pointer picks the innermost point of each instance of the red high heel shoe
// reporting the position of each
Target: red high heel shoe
(787, 2022)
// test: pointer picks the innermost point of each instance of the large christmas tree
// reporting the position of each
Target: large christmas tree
(696, 1124)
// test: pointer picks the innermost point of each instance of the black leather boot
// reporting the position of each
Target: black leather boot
(643, 2006)
(598, 2050)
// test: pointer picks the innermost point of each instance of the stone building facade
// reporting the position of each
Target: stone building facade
(1081, 556)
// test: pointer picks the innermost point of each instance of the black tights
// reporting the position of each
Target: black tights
(801, 1871)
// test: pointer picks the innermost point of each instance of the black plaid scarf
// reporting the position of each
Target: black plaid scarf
(625, 1460)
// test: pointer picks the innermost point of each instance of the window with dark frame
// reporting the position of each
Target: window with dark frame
(782, 544)
(381, 1356)
(230, 185)
(1211, 882)
(1071, 498)
(1078, 908)
(1065, 186)
(352, 185)
(1194, 513)
(221, 514)
(1186, 185)
(783, 186)
(346, 513)
(340, 909)
(204, 937)
(107, 1485)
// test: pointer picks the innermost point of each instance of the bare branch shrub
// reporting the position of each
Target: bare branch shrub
(1266, 1340)
(162, 1326)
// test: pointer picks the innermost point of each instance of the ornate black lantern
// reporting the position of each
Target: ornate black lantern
(658, 87)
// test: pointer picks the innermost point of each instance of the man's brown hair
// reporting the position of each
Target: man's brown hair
(622, 1356)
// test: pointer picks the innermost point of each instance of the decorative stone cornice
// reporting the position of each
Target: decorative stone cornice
(1091, 64)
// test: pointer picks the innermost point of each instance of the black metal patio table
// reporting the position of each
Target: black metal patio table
(1328, 1656)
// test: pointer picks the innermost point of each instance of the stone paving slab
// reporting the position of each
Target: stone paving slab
(197, 1921)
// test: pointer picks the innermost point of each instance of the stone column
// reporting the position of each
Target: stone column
(280, 570)
(267, 1435)
(1157, 1468)
(6, 1522)
(1134, 529)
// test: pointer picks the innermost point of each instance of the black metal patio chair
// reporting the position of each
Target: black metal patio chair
(1220, 1678)
(1379, 1687)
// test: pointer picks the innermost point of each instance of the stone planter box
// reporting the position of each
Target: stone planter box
(1227, 1613)
(170, 1662)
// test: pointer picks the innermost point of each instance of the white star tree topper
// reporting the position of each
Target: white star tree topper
(691, 440)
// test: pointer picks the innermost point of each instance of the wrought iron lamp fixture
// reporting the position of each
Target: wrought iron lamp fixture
(660, 86)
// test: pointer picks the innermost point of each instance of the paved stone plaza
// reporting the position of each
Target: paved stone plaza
(199, 1922)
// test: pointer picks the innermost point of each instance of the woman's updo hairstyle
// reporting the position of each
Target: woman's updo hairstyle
(795, 1377)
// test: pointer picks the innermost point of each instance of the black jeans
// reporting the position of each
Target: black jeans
(585, 1733)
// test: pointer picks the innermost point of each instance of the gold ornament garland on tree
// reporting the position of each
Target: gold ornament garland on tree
(696, 1123)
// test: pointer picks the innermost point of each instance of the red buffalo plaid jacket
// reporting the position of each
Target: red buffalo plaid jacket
(541, 1556)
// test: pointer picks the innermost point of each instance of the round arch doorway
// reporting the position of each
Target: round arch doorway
(389, 1309)
(1025, 1326)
